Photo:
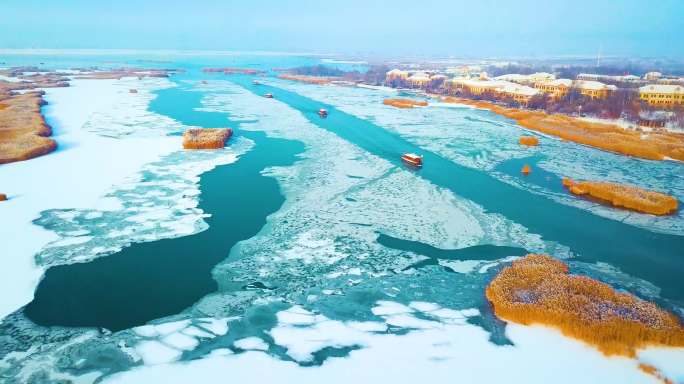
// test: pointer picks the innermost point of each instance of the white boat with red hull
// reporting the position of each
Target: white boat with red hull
(412, 159)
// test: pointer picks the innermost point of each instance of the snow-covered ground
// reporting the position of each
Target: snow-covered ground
(10, 79)
(439, 347)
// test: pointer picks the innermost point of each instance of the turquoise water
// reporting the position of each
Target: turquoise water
(97, 295)
(539, 176)
(147, 281)
(651, 256)
(213, 274)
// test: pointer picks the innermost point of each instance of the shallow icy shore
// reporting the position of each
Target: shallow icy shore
(105, 137)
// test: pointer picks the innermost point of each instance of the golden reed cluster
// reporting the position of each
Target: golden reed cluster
(530, 141)
(308, 79)
(608, 137)
(405, 103)
(23, 130)
(206, 138)
(624, 196)
(537, 289)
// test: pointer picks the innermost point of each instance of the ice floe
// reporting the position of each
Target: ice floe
(156, 352)
(435, 351)
(251, 343)
(159, 201)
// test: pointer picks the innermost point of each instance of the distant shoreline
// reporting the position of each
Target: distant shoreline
(604, 136)
(24, 133)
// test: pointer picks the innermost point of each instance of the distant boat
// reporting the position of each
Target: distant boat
(412, 159)
(323, 112)
(526, 170)
(256, 82)
(268, 95)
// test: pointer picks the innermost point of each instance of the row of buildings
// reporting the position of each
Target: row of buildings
(522, 88)
(662, 95)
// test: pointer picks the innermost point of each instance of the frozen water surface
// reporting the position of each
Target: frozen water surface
(314, 297)
(158, 202)
(328, 226)
(483, 140)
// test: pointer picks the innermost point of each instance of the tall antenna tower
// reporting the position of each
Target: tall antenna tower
(598, 57)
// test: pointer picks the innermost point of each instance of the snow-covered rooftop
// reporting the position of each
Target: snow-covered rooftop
(560, 82)
(497, 85)
(662, 88)
(419, 76)
(397, 72)
(512, 77)
(593, 85)
(518, 89)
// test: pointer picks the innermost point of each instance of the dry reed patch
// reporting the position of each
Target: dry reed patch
(23, 129)
(530, 141)
(538, 289)
(124, 72)
(233, 70)
(206, 138)
(405, 103)
(608, 137)
(625, 196)
(308, 79)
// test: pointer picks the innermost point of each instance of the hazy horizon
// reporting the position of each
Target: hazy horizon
(429, 28)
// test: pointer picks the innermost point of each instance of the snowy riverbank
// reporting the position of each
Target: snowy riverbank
(105, 136)
(440, 347)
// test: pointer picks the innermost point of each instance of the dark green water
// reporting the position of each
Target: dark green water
(476, 252)
(151, 280)
(655, 257)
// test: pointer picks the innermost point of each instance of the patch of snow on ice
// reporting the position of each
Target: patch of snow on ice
(155, 352)
(251, 343)
(436, 354)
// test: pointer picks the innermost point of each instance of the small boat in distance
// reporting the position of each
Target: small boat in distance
(268, 95)
(526, 170)
(256, 82)
(323, 112)
(412, 159)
